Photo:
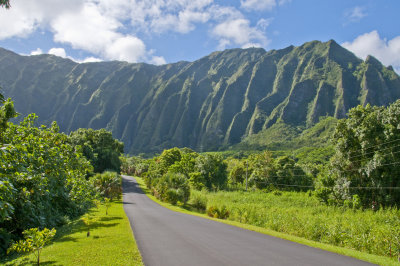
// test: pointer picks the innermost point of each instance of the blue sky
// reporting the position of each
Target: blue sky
(167, 31)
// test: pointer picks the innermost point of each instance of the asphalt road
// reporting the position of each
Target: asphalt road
(165, 237)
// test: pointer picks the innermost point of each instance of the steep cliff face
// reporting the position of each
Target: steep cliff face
(216, 100)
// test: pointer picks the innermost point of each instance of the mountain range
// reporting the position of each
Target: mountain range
(207, 104)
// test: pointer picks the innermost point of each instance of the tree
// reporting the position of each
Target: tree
(108, 184)
(213, 171)
(99, 147)
(42, 179)
(185, 165)
(262, 169)
(367, 158)
(7, 112)
(34, 241)
(5, 3)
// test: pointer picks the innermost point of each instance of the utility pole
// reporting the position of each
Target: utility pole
(247, 168)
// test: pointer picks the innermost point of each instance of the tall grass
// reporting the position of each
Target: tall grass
(301, 214)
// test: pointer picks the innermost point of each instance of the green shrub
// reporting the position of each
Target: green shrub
(198, 200)
(172, 188)
(220, 213)
(108, 184)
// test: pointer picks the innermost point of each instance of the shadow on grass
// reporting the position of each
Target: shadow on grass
(28, 261)
(109, 218)
(67, 239)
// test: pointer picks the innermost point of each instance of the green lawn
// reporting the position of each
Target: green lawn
(111, 242)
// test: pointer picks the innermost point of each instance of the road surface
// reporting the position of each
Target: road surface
(165, 238)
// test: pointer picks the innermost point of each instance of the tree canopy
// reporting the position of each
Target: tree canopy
(99, 147)
(366, 163)
(5, 3)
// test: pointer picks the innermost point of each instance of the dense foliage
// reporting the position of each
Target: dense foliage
(281, 172)
(108, 184)
(365, 168)
(99, 147)
(170, 175)
(42, 179)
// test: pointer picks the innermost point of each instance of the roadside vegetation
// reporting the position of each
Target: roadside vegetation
(48, 180)
(349, 199)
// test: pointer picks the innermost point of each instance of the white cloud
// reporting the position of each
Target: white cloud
(388, 52)
(354, 14)
(126, 48)
(91, 25)
(88, 29)
(58, 52)
(258, 5)
(109, 29)
(263, 23)
(91, 59)
(26, 16)
(158, 60)
(97, 33)
(239, 31)
(161, 16)
(38, 51)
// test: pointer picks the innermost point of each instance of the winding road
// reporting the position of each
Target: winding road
(165, 237)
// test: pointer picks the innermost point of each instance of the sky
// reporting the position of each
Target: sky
(168, 31)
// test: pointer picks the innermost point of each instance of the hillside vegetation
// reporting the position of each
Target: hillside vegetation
(215, 101)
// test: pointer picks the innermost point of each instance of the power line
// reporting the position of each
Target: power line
(371, 158)
(386, 142)
(372, 151)
(283, 184)
(287, 185)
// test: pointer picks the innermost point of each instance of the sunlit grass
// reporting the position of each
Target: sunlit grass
(111, 242)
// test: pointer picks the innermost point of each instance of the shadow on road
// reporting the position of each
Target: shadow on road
(130, 186)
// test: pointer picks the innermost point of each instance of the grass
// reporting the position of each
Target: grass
(380, 260)
(111, 242)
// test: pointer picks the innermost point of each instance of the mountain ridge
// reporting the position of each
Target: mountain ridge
(215, 101)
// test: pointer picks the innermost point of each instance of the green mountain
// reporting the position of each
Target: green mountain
(215, 101)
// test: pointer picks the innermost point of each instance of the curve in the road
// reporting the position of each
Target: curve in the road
(165, 237)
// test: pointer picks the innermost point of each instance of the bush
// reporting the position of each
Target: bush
(172, 188)
(198, 201)
(108, 184)
(220, 213)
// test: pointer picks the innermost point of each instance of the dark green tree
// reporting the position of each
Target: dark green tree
(213, 171)
(367, 158)
(99, 147)
(42, 179)
(5, 3)
(7, 112)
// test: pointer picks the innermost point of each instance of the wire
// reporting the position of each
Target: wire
(373, 151)
(372, 158)
(270, 183)
(380, 144)
(283, 184)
